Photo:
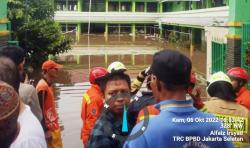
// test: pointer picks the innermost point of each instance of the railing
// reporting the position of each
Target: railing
(203, 17)
(106, 17)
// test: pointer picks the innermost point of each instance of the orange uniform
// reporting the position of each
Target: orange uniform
(152, 111)
(243, 97)
(92, 105)
(50, 114)
(49, 109)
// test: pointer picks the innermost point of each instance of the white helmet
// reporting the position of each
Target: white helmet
(219, 76)
(116, 67)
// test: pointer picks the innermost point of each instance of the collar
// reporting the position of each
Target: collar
(96, 87)
(49, 84)
(242, 90)
(173, 104)
(112, 118)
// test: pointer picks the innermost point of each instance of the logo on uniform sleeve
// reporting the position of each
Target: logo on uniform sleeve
(93, 111)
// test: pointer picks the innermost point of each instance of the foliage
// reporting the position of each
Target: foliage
(33, 26)
(248, 54)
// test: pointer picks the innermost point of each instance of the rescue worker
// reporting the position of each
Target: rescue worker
(239, 78)
(223, 104)
(170, 77)
(108, 132)
(47, 102)
(92, 102)
(116, 67)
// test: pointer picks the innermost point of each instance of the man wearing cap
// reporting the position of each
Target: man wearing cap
(46, 98)
(175, 125)
(9, 110)
(31, 133)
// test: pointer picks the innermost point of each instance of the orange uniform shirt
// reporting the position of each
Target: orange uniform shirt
(49, 109)
(243, 97)
(92, 105)
(152, 111)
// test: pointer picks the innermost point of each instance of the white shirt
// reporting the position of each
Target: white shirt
(31, 134)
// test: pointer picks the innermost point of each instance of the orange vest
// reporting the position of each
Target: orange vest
(49, 109)
(243, 97)
(92, 105)
(152, 111)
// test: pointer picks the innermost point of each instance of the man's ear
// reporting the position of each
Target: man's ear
(158, 85)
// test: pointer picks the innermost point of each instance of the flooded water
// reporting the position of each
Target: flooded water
(69, 110)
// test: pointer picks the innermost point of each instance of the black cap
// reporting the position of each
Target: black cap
(171, 67)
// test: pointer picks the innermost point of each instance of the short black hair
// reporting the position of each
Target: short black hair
(15, 53)
(115, 76)
(223, 90)
(9, 73)
(172, 68)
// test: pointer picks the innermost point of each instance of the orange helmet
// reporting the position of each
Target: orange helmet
(96, 73)
(238, 72)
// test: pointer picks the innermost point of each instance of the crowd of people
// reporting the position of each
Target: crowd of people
(117, 113)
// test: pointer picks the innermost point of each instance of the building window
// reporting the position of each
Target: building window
(72, 6)
(151, 7)
(113, 6)
(125, 6)
(139, 6)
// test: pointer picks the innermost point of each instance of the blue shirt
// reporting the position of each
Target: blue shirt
(179, 124)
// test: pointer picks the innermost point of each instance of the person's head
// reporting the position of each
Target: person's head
(16, 54)
(116, 91)
(116, 67)
(170, 74)
(50, 69)
(97, 75)
(238, 76)
(9, 73)
(9, 110)
(220, 86)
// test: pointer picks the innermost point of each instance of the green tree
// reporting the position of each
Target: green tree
(33, 26)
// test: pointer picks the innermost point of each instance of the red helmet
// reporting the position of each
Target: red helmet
(238, 72)
(95, 73)
(193, 77)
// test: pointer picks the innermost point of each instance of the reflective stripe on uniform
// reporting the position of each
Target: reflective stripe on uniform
(143, 117)
(175, 105)
(86, 98)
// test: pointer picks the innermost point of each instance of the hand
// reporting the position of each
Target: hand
(198, 103)
(144, 73)
(48, 135)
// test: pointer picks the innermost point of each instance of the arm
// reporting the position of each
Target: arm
(36, 108)
(137, 83)
(92, 114)
(42, 95)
